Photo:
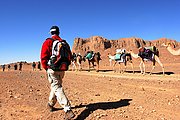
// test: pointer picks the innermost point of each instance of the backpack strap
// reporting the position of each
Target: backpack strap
(57, 39)
(51, 39)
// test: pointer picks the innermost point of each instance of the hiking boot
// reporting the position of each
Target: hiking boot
(51, 108)
(69, 115)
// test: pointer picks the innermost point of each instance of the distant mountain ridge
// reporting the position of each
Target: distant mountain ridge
(98, 43)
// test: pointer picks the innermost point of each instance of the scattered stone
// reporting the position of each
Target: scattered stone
(153, 111)
(21, 110)
(97, 94)
(31, 90)
(169, 103)
(10, 96)
(142, 88)
(15, 96)
(126, 116)
(161, 90)
(103, 114)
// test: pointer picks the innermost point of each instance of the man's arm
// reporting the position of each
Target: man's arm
(46, 53)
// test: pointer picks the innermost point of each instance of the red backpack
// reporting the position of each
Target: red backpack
(61, 55)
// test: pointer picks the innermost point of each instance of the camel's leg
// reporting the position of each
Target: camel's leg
(89, 66)
(153, 64)
(144, 68)
(140, 66)
(77, 61)
(76, 67)
(152, 69)
(162, 66)
(97, 68)
(79, 66)
(73, 66)
(119, 67)
(143, 71)
(132, 66)
(114, 66)
(125, 66)
(125, 69)
(93, 64)
(110, 62)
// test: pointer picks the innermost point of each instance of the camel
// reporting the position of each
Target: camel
(171, 50)
(126, 57)
(111, 58)
(95, 59)
(154, 58)
(77, 60)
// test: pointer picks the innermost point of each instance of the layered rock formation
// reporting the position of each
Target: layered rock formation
(98, 43)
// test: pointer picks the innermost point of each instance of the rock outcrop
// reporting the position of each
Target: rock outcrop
(98, 43)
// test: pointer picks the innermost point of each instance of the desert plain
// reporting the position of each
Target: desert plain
(103, 95)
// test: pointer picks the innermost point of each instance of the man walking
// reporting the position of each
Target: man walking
(39, 65)
(9, 67)
(20, 66)
(15, 66)
(33, 66)
(3, 67)
(55, 77)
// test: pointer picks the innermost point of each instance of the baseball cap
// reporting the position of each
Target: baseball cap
(54, 29)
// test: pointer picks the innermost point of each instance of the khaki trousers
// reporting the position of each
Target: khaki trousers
(57, 93)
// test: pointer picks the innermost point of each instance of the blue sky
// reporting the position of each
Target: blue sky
(24, 24)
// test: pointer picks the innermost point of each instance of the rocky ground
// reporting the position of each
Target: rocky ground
(94, 96)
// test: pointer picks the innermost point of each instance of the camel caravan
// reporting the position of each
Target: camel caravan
(90, 56)
(122, 57)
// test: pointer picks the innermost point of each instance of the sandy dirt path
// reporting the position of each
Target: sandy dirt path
(94, 96)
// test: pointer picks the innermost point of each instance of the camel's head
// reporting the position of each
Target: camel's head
(109, 54)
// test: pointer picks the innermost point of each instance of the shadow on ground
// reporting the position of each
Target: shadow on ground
(108, 70)
(157, 73)
(89, 108)
(161, 73)
(101, 105)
